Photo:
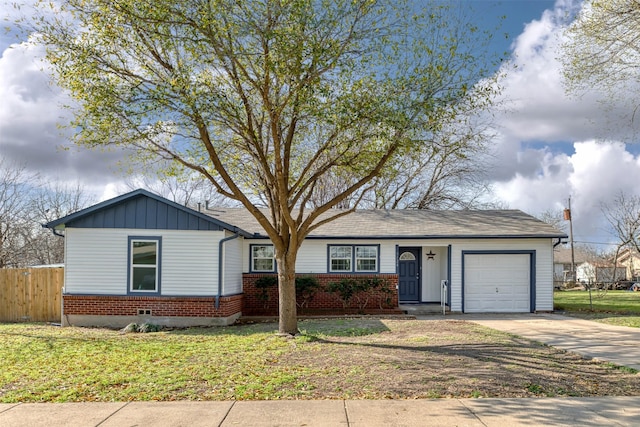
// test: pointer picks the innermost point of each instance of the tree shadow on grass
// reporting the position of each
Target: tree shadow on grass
(537, 369)
(311, 328)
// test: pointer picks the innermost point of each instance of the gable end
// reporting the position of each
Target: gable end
(143, 213)
(141, 209)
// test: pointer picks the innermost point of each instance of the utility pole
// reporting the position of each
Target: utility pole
(567, 216)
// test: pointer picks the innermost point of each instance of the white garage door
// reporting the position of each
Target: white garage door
(496, 283)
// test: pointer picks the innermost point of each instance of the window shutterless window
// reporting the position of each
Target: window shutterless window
(366, 258)
(262, 258)
(340, 258)
(353, 258)
(144, 265)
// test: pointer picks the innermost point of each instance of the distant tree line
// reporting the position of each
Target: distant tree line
(26, 202)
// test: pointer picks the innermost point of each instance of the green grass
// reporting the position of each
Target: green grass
(71, 364)
(621, 302)
(620, 308)
(360, 358)
(47, 363)
(340, 328)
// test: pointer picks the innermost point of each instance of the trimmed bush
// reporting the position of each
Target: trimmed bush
(264, 284)
(306, 289)
(360, 290)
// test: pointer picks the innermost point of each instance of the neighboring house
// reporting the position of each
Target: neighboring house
(562, 261)
(140, 257)
(600, 272)
(630, 259)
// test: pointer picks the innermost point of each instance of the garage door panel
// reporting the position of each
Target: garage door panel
(497, 283)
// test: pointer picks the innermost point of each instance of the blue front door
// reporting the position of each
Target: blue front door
(409, 274)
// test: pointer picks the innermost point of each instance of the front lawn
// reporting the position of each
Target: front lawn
(613, 307)
(365, 358)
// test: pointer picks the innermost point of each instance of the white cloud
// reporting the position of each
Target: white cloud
(602, 170)
(540, 114)
(546, 189)
(536, 104)
(537, 107)
(30, 113)
(592, 176)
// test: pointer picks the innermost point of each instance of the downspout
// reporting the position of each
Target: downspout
(558, 242)
(53, 230)
(220, 260)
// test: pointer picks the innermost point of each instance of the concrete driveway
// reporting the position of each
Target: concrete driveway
(616, 344)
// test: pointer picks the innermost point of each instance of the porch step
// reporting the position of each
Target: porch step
(420, 309)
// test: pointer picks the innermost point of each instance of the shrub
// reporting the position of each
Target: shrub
(130, 328)
(306, 289)
(360, 290)
(148, 327)
(263, 284)
(143, 328)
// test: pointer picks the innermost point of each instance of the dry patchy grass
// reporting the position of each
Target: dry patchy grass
(365, 358)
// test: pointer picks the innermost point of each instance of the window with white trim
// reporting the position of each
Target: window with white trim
(366, 258)
(340, 258)
(353, 258)
(144, 256)
(262, 258)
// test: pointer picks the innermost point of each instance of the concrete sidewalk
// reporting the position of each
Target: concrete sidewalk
(615, 344)
(609, 411)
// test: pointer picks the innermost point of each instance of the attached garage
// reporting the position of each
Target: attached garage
(498, 282)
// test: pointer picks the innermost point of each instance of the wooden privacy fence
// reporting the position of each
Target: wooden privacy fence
(31, 294)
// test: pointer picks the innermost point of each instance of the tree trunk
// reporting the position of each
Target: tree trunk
(287, 309)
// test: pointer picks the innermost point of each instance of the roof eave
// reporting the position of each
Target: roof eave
(425, 237)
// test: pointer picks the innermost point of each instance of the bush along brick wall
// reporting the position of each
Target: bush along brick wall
(323, 294)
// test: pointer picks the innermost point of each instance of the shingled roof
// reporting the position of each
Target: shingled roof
(407, 224)
(562, 255)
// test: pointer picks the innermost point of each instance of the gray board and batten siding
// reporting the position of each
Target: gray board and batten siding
(141, 209)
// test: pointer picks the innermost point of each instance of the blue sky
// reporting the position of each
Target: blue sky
(547, 146)
(512, 15)
(516, 13)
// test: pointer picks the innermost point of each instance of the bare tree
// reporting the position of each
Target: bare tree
(27, 202)
(185, 187)
(15, 217)
(53, 200)
(554, 217)
(448, 174)
(623, 217)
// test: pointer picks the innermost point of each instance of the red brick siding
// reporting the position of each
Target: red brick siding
(323, 302)
(248, 303)
(160, 306)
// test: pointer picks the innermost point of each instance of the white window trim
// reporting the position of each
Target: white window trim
(350, 258)
(353, 259)
(356, 258)
(253, 258)
(156, 266)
